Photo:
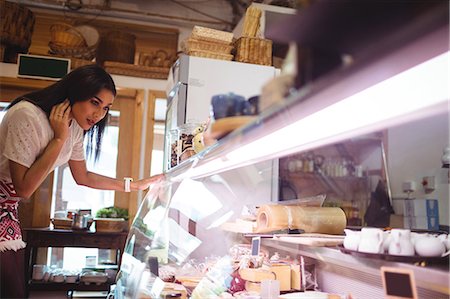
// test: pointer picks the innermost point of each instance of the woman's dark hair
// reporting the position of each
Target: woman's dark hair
(79, 85)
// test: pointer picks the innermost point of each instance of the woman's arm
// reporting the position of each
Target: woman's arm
(93, 180)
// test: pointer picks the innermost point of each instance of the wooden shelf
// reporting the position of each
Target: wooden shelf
(55, 286)
(315, 176)
(45, 237)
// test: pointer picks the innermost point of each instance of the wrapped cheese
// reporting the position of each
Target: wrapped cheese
(326, 220)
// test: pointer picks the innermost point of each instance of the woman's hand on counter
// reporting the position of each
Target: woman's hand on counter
(145, 183)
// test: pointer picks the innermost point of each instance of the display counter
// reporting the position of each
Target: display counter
(342, 273)
(181, 232)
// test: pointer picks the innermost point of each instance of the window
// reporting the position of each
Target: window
(70, 196)
(158, 135)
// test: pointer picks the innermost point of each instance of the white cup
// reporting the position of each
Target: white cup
(38, 272)
(371, 240)
(401, 243)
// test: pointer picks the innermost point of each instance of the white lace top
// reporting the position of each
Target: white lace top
(25, 132)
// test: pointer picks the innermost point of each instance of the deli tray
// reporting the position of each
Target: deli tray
(312, 239)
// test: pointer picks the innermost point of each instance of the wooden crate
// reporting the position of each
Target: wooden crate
(254, 50)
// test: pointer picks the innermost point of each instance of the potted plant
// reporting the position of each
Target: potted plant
(111, 219)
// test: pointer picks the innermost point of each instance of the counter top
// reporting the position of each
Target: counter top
(435, 278)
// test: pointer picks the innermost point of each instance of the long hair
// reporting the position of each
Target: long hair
(79, 85)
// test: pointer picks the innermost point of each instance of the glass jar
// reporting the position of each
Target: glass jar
(186, 134)
(172, 157)
(181, 146)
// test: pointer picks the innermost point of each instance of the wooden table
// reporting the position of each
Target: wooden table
(46, 237)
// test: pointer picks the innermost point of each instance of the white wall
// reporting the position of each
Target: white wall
(414, 151)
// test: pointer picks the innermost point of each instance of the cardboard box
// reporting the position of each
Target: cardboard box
(396, 221)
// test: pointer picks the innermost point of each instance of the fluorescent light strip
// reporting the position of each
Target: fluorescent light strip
(420, 87)
(417, 88)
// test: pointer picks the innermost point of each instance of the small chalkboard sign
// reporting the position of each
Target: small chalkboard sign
(256, 244)
(42, 67)
(398, 283)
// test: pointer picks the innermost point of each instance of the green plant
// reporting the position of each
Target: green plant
(112, 212)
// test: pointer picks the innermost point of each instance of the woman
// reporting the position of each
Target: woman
(41, 131)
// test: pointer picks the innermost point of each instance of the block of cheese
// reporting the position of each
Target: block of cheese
(256, 274)
(174, 288)
(251, 286)
(282, 274)
(296, 283)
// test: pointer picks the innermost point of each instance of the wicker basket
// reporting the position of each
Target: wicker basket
(86, 53)
(251, 21)
(62, 223)
(110, 225)
(76, 62)
(142, 71)
(198, 45)
(212, 55)
(116, 46)
(254, 50)
(67, 36)
(17, 24)
(212, 35)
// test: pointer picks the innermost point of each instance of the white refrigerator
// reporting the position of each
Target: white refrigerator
(194, 80)
(192, 83)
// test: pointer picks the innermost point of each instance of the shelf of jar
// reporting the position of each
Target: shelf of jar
(316, 175)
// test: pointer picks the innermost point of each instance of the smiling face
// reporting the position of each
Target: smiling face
(88, 113)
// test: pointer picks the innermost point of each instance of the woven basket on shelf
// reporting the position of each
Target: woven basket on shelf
(192, 44)
(142, 71)
(87, 53)
(65, 35)
(110, 225)
(77, 62)
(17, 24)
(254, 50)
(211, 35)
(212, 55)
(116, 46)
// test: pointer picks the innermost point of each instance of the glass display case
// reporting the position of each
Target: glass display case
(339, 137)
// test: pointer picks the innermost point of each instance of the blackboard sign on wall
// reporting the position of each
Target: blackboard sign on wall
(42, 67)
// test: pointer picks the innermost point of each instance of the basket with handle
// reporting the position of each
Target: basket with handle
(65, 35)
(86, 52)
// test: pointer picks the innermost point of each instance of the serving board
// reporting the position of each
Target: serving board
(317, 240)
(223, 126)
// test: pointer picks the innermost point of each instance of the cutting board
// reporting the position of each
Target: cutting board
(318, 240)
(223, 126)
